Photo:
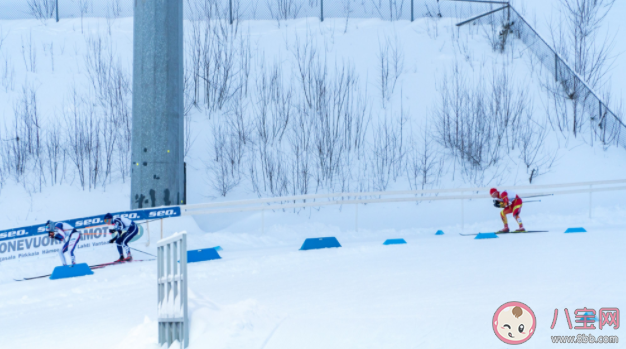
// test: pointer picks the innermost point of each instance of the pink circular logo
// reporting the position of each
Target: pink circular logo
(514, 323)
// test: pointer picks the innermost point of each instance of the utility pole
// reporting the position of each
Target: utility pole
(157, 138)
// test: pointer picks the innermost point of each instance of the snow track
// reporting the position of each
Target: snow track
(436, 291)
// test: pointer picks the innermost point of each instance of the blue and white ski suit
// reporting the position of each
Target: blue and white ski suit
(70, 236)
(126, 230)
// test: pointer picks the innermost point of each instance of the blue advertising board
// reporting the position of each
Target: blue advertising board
(33, 240)
(93, 221)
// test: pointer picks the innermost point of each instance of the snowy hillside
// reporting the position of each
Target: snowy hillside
(385, 85)
(301, 107)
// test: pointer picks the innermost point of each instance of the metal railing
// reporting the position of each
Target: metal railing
(172, 290)
(303, 201)
(602, 125)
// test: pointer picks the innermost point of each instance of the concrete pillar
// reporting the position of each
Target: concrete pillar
(157, 144)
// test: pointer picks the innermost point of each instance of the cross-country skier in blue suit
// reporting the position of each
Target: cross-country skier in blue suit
(124, 231)
(65, 233)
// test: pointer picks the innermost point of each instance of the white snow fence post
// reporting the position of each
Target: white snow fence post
(172, 290)
(590, 204)
(148, 227)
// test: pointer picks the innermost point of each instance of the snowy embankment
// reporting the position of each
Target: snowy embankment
(435, 292)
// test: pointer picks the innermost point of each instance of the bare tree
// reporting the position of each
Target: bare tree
(384, 71)
(533, 152)
(220, 56)
(83, 7)
(424, 163)
(2, 38)
(55, 153)
(391, 66)
(309, 64)
(477, 127)
(194, 45)
(433, 10)
(590, 54)
(189, 139)
(84, 142)
(377, 4)
(284, 9)
(274, 105)
(497, 29)
(24, 137)
(8, 75)
(396, 8)
(223, 167)
(41, 9)
(113, 12)
(111, 86)
(577, 38)
(116, 8)
(29, 54)
(274, 109)
(385, 157)
(302, 150)
(22, 144)
(230, 144)
(50, 49)
(347, 9)
(339, 112)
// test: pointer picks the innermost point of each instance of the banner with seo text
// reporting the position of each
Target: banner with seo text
(33, 240)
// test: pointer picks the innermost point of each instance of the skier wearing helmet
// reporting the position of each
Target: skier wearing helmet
(67, 234)
(124, 231)
(510, 203)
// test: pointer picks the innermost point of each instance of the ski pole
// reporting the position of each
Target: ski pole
(134, 249)
(537, 196)
(532, 201)
(104, 225)
(151, 221)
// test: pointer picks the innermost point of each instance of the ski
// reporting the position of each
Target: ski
(100, 266)
(510, 232)
(33, 278)
(92, 267)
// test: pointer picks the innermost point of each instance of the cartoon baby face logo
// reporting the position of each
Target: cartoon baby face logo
(514, 323)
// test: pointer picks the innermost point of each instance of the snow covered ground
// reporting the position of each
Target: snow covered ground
(434, 292)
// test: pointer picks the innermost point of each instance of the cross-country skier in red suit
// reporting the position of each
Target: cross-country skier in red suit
(511, 203)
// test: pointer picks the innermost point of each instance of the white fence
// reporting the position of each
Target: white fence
(172, 288)
(318, 200)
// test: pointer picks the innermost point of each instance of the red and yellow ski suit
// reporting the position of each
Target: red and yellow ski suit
(512, 204)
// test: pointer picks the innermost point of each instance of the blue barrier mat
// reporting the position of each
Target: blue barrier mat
(486, 236)
(70, 271)
(394, 242)
(317, 243)
(206, 254)
(575, 230)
